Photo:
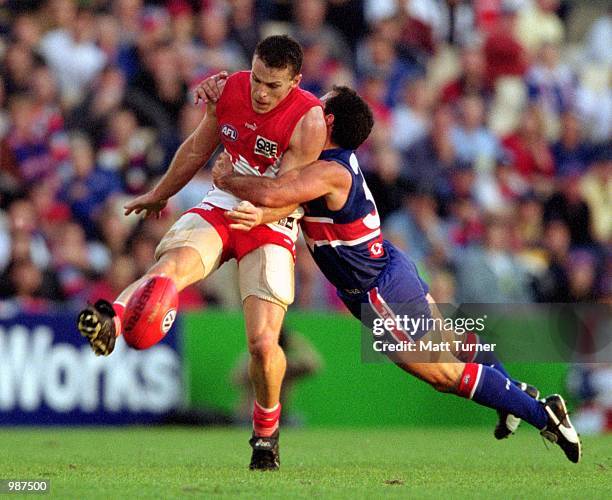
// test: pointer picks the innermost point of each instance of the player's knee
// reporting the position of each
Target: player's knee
(443, 378)
(178, 265)
(263, 347)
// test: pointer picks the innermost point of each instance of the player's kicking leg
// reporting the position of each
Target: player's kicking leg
(266, 287)
(186, 254)
(100, 323)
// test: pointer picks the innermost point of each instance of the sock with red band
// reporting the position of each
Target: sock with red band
(265, 420)
(483, 357)
(119, 310)
(488, 387)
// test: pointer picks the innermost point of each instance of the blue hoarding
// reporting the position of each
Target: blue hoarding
(49, 376)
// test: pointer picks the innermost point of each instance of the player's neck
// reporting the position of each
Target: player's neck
(330, 145)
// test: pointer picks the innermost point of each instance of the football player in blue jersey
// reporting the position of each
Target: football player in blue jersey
(376, 281)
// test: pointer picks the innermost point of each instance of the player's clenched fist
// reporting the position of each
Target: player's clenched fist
(210, 89)
(221, 169)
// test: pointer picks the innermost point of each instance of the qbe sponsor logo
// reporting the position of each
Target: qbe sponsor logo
(265, 147)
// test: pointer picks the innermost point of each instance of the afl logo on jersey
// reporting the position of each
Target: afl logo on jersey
(265, 147)
(229, 132)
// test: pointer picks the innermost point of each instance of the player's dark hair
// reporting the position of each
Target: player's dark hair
(281, 51)
(353, 119)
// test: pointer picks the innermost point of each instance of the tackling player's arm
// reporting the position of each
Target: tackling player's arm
(320, 178)
(192, 154)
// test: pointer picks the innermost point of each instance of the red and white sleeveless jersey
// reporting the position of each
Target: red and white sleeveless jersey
(256, 142)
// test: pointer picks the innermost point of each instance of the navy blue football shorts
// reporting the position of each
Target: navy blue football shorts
(396, 307)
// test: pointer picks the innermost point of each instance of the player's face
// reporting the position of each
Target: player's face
(269, 86)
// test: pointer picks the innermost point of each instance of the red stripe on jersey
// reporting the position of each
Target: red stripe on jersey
(384, 311)
(328, 231)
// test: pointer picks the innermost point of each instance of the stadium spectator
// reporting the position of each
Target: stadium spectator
(571, 153)
(529, 221)
(473, 77)
(431, 23)
(529, 147)
(428, 161)
(490, 273)
(244, 25)
(378, 55)
(19, 62)
(551, 85)
(582, 277)
(599, 39)
(504, 53)
(26, 30)
(21, 232)
(4, 116)
(465, 224)
(104, 98)
(596, 189)
(89, 185)
(417, 230)
(473, 143)
(130, 150)
(568, 205)
(213, 50)
(411, 117)
(539, 25)
(309, 18)
(28, 288)
(116, 278)
(70, 49)
(553, 284)
(385, 181)
(496, 191)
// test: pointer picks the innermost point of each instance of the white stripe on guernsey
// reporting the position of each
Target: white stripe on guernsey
(348, 243)
(319, 219)
(478, 373)
(242, 162)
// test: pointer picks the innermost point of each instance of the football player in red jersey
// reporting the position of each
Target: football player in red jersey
(266, 124)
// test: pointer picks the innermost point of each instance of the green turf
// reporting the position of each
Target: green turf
(323, 463)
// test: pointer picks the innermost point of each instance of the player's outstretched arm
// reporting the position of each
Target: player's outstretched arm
(188, 159)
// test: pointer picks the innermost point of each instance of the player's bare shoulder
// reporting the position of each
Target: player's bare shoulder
(307, 140)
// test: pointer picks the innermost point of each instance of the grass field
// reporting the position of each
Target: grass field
(339, 463)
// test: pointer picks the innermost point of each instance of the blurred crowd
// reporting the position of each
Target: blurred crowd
(490, 159)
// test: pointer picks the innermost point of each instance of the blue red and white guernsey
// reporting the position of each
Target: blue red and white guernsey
(348, 246)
